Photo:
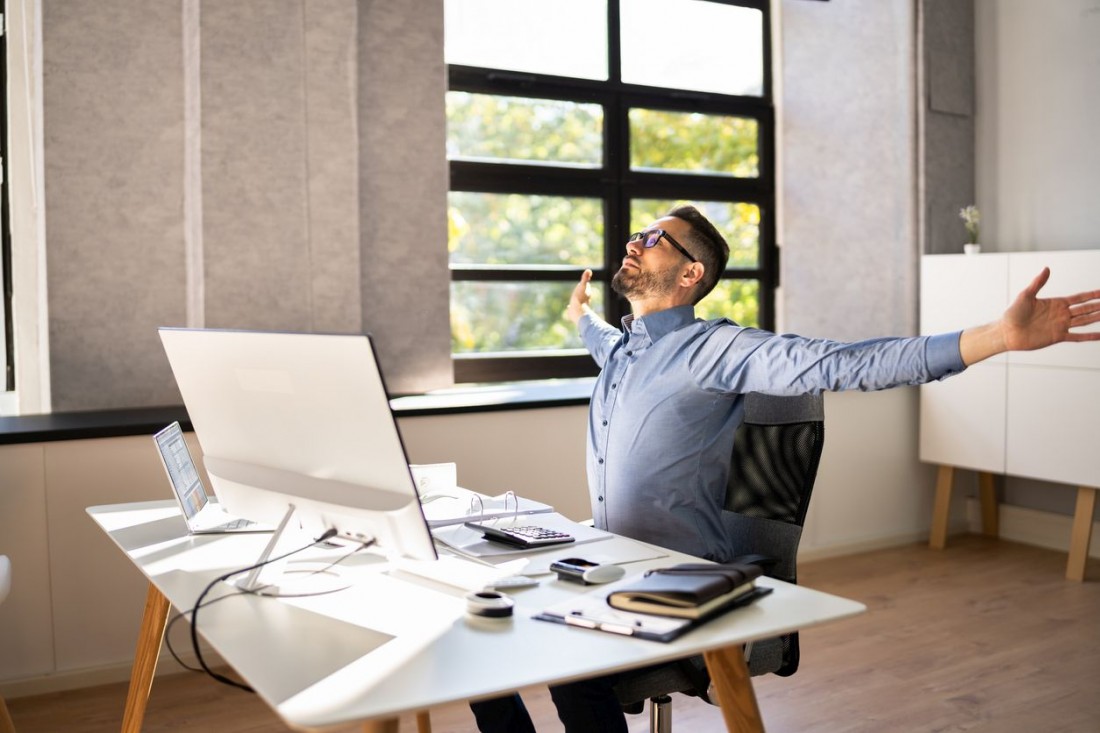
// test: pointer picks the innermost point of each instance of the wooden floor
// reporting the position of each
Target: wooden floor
(983, 636)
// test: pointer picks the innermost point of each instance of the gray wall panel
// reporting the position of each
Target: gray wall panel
(333, 164)
(403, 190)
(113, 129)
(273, 198)
(949, 180)
(257, 264)
(948, 51)
(849, 245)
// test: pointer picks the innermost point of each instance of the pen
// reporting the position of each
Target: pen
(575, 620)
(617, 629)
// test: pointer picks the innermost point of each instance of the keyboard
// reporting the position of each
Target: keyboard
(236, 524)
(527, 536)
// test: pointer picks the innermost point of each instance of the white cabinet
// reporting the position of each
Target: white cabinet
(1029, 414)
(1024, 413)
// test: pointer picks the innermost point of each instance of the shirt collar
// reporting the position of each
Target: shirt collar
(656, 325)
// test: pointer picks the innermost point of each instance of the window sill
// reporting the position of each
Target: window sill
(494, 397)
(146, 421)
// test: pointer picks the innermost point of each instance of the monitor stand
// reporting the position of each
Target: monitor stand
(275, 574)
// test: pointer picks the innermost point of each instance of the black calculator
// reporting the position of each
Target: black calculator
(522, 536)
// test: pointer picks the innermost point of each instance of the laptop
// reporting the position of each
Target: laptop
(201, 515)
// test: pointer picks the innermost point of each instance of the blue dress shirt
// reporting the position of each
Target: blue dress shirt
(669, 399)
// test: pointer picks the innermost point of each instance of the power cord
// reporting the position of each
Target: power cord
(257, 591)
(194, 611)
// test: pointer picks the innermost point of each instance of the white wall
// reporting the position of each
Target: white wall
(1037, 160)
(1038, 112)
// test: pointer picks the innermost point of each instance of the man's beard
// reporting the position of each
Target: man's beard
(638, 284)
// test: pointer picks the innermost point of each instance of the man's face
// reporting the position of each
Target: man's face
(652, 272)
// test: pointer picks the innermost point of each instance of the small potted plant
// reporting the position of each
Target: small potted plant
(971, 219)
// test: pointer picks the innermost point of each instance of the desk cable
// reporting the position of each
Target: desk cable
(194, 610)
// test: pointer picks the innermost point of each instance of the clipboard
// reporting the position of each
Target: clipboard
(591, 611)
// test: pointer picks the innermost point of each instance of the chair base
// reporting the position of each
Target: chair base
(660, 714)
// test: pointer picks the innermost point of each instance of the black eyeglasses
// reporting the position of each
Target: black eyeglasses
(650, 237)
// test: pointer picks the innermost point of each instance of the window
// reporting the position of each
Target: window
(571, 124)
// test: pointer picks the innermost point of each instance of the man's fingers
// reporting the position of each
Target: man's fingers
(1037, 284)
(1091, 295)
(1092, 336)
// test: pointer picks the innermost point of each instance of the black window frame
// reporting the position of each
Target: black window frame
(616, 185)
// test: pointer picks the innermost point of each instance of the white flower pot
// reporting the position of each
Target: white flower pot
(972, 249)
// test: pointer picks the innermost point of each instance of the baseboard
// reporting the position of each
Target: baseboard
(95, 676)
(1030, 526)
(855, 548)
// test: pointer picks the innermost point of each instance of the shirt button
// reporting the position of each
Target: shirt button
(613, 386)
(599, 498)
(630, 353)
(605, 422)
(601, 461)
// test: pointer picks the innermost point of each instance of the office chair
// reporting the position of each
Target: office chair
(776, 452)
(6, 726)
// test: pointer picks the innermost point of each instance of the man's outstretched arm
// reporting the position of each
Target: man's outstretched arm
(1033, 323)
(578, 301)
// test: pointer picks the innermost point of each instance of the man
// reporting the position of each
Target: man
(670, 397)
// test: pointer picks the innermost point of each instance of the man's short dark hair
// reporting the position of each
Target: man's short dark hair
(706, 244)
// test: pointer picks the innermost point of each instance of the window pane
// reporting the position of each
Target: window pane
(688, 44)
(739, 223)
(693, 143)
(529, 316)
(738, 300)
(559, 37)
(516, 229)
(494, 129)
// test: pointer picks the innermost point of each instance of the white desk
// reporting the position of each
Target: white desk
(394, 643)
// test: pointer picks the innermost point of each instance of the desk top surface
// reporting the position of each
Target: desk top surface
(396, 642)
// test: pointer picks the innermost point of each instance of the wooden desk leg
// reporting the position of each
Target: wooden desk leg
(423, 722)
(6, 726)
(733, 687)
(937, 540)
(150, 637)
(1082, 533)
(382, 726)
(988, 495)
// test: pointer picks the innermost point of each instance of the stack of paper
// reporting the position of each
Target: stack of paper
(456, 505)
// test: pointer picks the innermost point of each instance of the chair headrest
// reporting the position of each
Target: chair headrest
(763, 409)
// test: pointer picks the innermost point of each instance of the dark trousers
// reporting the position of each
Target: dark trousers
(587, 706)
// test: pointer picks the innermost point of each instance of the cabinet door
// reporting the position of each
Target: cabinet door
(962, 419)
(958, 291)
(1070, 272)
(1052, 424)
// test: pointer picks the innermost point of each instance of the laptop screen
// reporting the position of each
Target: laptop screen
(181, 470)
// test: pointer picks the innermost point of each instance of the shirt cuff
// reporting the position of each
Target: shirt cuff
(943, 355)
(585, 323)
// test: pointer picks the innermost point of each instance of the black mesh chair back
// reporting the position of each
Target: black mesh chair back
(776, 452)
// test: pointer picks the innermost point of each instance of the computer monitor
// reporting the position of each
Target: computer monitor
(302, 421)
